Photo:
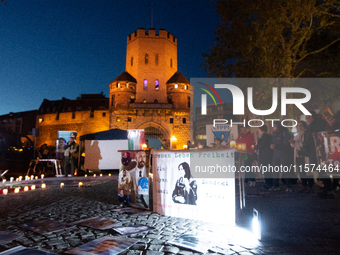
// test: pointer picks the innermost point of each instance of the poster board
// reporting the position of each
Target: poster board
(133, 178)
(63, 138)
(209, 196)
(327, 146)
(223, 132)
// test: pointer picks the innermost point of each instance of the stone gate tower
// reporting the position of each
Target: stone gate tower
(150, 94)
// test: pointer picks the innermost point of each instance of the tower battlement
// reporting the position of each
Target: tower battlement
(151, 33)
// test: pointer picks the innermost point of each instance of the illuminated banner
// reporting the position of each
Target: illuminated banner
(328, 152)
(133, 178)
(136, 138)
(181, 190)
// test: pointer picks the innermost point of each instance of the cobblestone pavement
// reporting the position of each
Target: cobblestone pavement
(293, 223)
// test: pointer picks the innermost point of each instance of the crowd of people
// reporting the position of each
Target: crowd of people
(282, 148)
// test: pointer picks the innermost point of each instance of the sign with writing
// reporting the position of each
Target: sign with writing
(223, 133)
(181, 189)
(328, 153)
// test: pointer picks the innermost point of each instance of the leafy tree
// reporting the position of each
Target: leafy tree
(275, 39)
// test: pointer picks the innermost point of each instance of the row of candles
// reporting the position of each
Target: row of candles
(26, 188)
(32, 177)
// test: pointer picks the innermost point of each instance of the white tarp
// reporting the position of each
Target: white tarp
(103, 154)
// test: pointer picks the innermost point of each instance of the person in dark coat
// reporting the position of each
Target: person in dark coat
(265, 154)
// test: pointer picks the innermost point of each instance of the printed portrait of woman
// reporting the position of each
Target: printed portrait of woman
(185, 191)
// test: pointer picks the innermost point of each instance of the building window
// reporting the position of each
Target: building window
(118, 85)
(146, 59)
(144, 101)
(156, 59)
(129, 119)
(169, 99)
(127, 84)
(73, 115)
(145, 87)
(113, 100)
(91, 113)
(185, 86)
(156, 84)
(131, 61)
(41, 120)
(155, 101)
(176, 86)
(132, 99)
(184, 120)
(104, 114)
(170, 62)
(171, 120)
(188, 102)
(117, 119)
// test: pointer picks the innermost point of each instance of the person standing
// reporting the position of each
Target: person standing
(70, 150)
(247, 138)
(265, 154)
(299, 160)
(282, 155)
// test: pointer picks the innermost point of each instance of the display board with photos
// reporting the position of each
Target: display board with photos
(133, 178)
(182, 187)
(327, 146)
(62, 140)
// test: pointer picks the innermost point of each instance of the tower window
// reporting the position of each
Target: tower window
(144, 101)
(156, 84)
(184, 120)
(127, 84)
(176, 86)
(156, 59)
(146, 59)
(104, 114)
(170, 62)
(171, 120)
(188, 102)
(118, 119)
(185, 86)
(132, 99)
(131, 61)
(145, 87)
(113, 100)
(129, 119)
(118, 85)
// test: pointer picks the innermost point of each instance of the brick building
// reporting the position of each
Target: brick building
(89, 113)
(19, 122)
(150, 94)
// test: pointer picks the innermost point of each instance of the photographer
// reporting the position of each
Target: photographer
(70, 153)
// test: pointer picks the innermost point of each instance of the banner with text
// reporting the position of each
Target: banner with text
(181, 190)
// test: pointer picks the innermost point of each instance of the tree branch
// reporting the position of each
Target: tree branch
(317, 51)
(331, 14)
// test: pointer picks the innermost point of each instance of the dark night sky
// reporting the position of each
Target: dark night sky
(63, 48)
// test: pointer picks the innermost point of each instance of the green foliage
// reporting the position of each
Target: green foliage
(277, 39)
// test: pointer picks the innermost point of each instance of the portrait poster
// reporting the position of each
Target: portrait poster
(63, 138)
(327, 146)
(225, 133)
(107, 245)
(21, 250)
(195, 240)
(133, 229)
(98, 223)
(182, 187)
(7, 237)
(45, 226)
(133, 179)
